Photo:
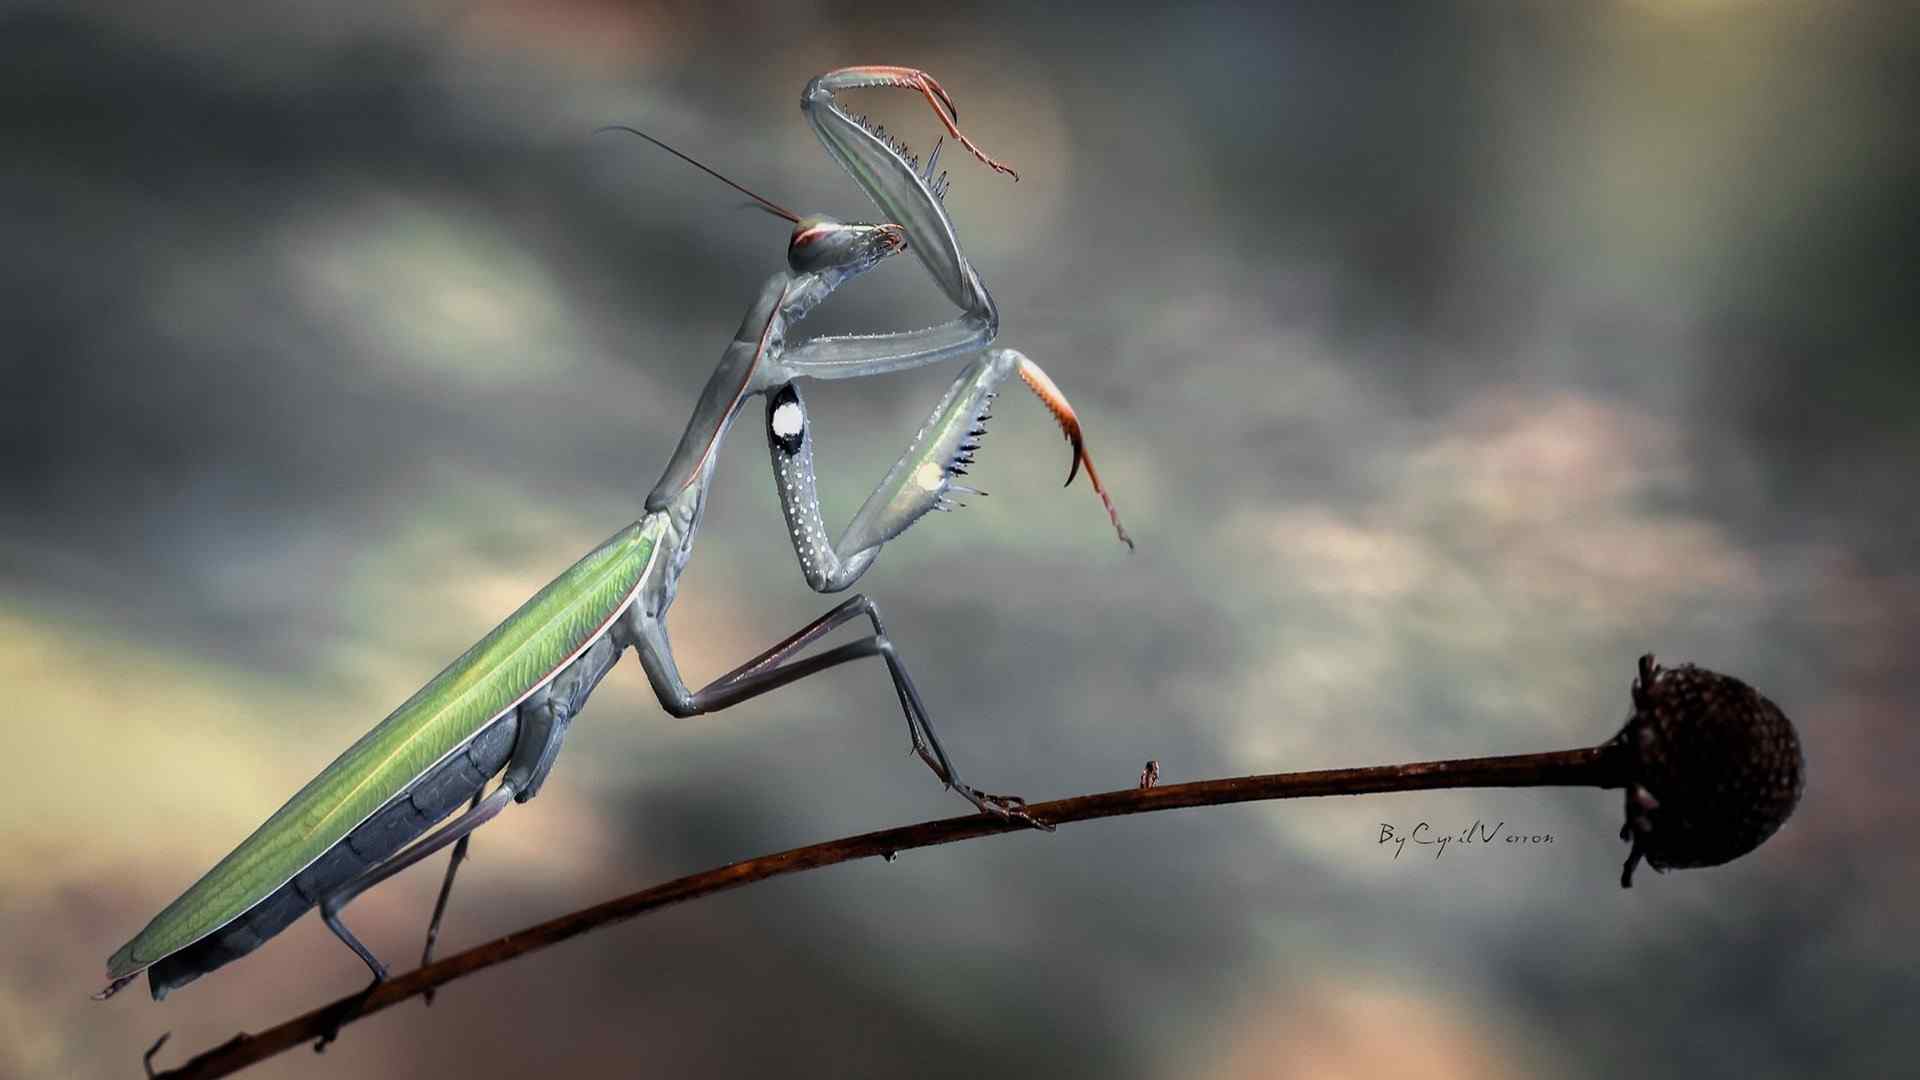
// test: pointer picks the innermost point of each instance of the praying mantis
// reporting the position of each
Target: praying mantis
(503, 707)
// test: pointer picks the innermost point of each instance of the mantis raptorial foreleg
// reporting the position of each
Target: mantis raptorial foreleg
(920, 481)
(923, 479)
(880, 165)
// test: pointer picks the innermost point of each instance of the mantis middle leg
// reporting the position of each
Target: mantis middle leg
(778, 666)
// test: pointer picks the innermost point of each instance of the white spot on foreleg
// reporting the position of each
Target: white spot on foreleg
(788, 419)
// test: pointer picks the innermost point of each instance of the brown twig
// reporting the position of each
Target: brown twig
(1606, 766)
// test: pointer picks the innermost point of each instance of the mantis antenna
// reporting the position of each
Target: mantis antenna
(771, 206)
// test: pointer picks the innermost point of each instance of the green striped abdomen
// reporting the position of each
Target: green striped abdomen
(516, 658)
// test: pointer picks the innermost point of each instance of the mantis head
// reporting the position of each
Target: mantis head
(821, 244)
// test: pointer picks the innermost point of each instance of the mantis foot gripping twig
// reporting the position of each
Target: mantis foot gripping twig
(1010, 808)
(341, 1012)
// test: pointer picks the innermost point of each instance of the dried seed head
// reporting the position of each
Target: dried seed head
(1715, 768)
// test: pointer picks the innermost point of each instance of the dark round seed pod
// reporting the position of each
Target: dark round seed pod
(1714, 768)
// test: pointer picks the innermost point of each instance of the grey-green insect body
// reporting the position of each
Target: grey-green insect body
(504, 706)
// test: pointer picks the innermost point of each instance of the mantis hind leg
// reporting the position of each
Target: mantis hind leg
(330, 907)
(543, 721)
(446, 892)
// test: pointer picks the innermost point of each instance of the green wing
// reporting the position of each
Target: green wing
(519, 655)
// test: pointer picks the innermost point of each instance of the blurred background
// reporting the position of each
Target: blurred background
(1441, 363)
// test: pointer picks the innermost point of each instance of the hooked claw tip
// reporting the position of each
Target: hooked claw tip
(1072, 432)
